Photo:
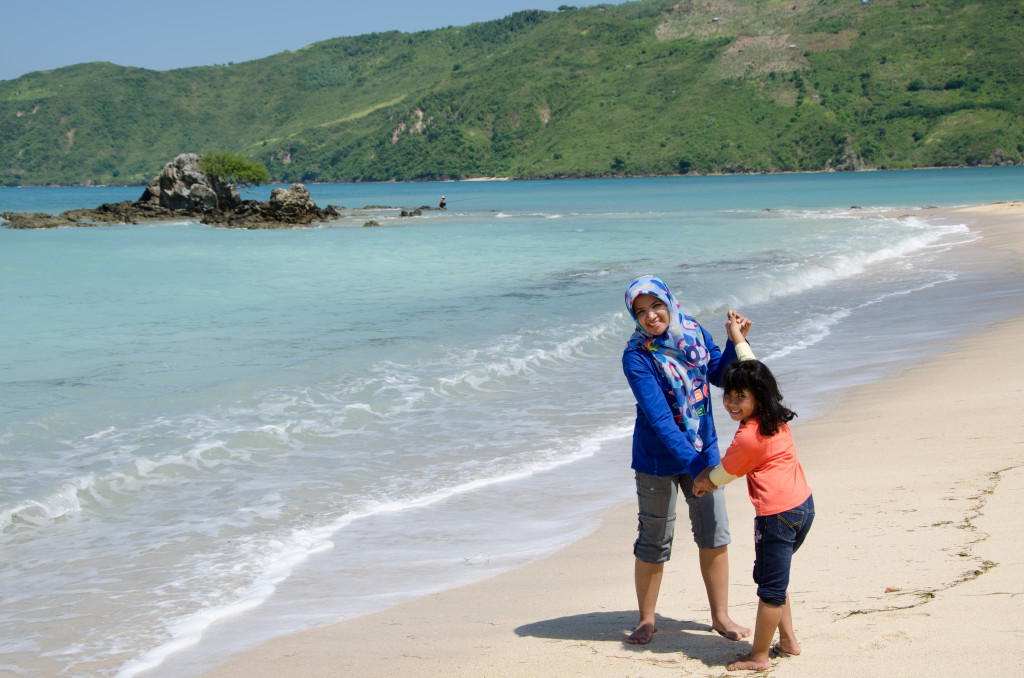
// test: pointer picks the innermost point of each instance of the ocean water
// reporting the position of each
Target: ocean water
(210, 437)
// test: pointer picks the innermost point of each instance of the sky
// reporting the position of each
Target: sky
(38, 35)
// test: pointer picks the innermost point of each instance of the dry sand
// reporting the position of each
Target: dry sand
(914, 566)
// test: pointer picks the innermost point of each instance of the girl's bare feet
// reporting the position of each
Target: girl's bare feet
(784, 649)
(642, 634)
(749, 662)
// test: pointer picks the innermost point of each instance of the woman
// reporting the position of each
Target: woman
(669, 362)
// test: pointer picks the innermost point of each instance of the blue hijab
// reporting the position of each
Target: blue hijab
(679, 351)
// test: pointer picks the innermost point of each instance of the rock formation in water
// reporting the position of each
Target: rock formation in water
(183, 191)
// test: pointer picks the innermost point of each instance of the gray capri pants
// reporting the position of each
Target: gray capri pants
(656, 496)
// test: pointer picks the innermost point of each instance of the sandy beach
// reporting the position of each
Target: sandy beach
(914, 566)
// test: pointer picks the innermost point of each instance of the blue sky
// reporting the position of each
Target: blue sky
(45, 34)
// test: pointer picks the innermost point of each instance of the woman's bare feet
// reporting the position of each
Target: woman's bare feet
(749, 662)
(642, 634)
(730, 630)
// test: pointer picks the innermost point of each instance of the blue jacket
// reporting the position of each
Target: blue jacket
(659, 446)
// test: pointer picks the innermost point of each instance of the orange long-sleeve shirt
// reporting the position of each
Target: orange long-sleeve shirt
(775, 478)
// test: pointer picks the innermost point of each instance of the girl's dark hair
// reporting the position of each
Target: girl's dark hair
(754, 377)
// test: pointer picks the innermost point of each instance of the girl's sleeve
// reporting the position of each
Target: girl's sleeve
(719, 476)
(650, 398)
(743, 352)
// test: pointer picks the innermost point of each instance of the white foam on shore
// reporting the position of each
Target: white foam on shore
(277, 559)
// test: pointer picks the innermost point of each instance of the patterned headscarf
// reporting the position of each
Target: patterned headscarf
(680, 353)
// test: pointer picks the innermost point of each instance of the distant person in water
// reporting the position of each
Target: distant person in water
(442, 203)
(669, 363)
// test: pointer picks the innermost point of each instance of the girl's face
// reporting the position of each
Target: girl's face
(741, 405)
(652, 314)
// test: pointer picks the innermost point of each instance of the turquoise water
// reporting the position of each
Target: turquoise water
(214, 436)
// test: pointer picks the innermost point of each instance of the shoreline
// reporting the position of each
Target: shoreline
(552, 177)
(913, 555)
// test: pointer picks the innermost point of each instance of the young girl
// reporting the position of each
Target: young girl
(763, 451)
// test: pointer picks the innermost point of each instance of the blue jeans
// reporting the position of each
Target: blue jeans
(776, 539)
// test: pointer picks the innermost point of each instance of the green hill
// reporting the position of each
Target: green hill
(648, 87)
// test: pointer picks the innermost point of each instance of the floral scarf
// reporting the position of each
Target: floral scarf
(680, 353)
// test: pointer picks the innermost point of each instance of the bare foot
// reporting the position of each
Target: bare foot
(642, 634)
(730, 630)
(784, 649)
(749, 662)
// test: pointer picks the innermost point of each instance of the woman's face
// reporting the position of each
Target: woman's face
(652, 314)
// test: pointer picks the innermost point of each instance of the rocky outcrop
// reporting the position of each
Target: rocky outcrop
(183, 191)
(999, 159)
(182, 186)
(847, 161)
(125, 212)
(33, 220)
(287, 207)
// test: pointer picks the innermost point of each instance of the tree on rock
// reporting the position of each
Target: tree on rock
(233, 168)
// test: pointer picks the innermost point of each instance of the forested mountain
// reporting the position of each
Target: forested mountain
(647, 87)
